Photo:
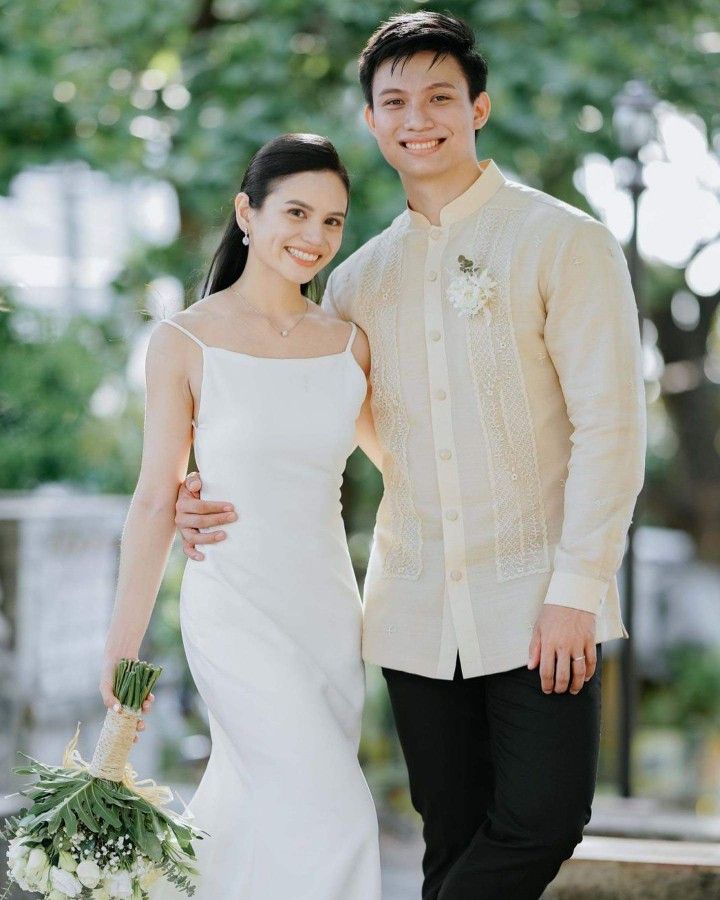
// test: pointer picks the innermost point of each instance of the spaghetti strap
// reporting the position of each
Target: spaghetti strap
(353, 332)
(184, 331)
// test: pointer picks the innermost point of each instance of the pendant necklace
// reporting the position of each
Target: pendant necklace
(283, 332)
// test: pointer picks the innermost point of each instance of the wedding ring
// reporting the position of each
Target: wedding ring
(577, 658)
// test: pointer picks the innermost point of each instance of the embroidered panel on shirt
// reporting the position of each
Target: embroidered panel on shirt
(521, 545)
(379, 294)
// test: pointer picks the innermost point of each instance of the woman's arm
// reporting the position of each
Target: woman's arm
(150, 524)
(365, 427)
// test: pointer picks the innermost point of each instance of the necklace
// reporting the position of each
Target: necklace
(284, 332)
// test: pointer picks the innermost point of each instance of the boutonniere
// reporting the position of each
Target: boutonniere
(474, 290)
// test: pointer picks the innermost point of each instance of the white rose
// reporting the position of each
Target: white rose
(89, 873)
(55, 894)
(37, 861)
(100, 894)
(37, 871)
(17, 849)
(41, 882)
(67, 861)
(65, 882)
(19, 867)
(17, 873)
(119, 885)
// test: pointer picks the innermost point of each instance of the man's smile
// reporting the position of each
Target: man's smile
(422, 148)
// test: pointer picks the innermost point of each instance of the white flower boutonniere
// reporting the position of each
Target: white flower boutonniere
(474, 290)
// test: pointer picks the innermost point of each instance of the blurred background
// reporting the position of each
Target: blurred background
(124, 133)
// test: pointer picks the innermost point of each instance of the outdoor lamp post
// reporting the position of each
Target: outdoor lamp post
(634, 126)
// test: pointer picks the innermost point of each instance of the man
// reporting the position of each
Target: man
(508, 401)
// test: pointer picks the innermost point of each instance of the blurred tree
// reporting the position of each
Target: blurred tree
(187, 90)
(49, 375)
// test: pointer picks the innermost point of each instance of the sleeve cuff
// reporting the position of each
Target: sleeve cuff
(576, 591)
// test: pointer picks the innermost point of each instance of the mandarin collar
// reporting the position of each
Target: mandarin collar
(489, 182)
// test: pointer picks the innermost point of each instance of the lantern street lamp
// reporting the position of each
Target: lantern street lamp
(634, 127)
(634, 117)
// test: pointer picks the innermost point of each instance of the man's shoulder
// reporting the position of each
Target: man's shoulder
(355, 264)
(546, 211)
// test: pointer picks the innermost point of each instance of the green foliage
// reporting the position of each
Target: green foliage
(690, 697)
(98, 813)
(254, 69)
(49, 371)
(73, 86)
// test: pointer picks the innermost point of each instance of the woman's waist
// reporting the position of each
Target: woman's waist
(287, 533)
(305, 561)
(274, 502)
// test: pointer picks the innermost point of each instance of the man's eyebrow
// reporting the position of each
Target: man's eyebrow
(430, 87)
(310, 208)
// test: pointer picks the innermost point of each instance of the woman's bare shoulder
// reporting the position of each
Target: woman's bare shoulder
(200, 319)
(202, 312)
(339, 331)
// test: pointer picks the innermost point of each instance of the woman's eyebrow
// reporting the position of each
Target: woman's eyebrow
(310, 208)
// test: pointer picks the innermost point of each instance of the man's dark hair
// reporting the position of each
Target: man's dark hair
(405, 35)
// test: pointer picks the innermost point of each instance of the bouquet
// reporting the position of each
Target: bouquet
(92, 830)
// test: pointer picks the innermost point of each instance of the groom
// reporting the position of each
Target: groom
(508, 401)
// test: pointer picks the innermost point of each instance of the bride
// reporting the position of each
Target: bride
(273, 394)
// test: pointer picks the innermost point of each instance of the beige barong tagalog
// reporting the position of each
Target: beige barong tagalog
(513, 439)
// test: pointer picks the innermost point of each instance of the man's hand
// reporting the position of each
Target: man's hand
(561, 635)
(192, 513)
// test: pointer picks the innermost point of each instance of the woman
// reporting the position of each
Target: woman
(273, 393)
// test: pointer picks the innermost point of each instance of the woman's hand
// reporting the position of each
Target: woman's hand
(111, 701)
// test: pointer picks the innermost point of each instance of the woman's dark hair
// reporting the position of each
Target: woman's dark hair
(286, 155)
(405, 35)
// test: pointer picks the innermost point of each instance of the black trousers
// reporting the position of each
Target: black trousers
(502, 775)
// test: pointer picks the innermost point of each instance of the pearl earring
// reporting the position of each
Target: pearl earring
(246, 239)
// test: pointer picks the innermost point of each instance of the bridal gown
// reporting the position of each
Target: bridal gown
(271, 625)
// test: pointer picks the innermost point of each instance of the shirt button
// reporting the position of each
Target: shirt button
(456, 575)
(434, 335)
(434, 233)
(451, 515)
(440, 394)
(431, 276)
(445, 454)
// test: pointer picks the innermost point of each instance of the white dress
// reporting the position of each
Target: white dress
(271, 624)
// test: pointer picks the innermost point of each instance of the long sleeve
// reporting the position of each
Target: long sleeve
(592, 337)
(330, 301)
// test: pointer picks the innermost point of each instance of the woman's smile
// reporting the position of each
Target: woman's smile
(303, 257)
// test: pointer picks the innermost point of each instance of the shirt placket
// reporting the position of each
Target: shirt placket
(448, 477)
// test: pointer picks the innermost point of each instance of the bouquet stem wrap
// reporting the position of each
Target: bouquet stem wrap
(110, 760)
(114, 745)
